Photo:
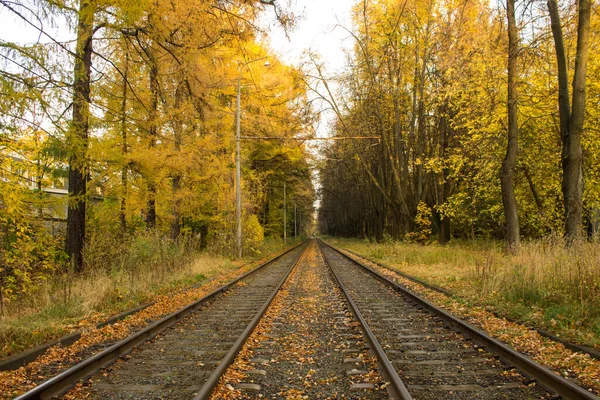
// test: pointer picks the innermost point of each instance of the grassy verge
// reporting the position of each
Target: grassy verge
(148, 268)
(545, 284)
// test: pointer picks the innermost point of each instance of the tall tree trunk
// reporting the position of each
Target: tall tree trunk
(78, 136)
(509, 200)
(176, 179)
(123, 211)
(151, 205)
(571, 119)
(564, 106)
(572, 154)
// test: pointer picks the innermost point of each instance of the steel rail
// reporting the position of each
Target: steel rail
(406, 276)
(64, 381)
(543, 375)
(594, 353)
(215, 376)
(397, 388)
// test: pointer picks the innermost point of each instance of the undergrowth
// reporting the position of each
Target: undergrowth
(119, 275)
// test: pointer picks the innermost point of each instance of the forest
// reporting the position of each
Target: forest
(484, 121)
(172, 176)
(117, 137)
(456, 121)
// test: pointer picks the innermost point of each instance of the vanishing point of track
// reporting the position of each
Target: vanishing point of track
(421, 351)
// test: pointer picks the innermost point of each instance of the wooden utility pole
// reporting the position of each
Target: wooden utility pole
(153, 132)
(124, 150)
(284, 214)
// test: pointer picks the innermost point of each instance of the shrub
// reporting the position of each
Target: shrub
(29, 254)
(254, 235)
(422, 232)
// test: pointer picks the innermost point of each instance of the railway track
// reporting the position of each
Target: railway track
(338, 310)
(308, 346)
(183, 354)
(433, 354)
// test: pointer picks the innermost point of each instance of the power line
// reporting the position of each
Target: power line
(312, 138)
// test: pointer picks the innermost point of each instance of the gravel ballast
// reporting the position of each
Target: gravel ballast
(308, 345)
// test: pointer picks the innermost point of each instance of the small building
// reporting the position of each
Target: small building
(53, 207)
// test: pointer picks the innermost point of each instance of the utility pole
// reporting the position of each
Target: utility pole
(238, 161)
(238, 171)
(284, 214)
(295, 222)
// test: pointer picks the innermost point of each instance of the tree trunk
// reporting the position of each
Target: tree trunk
(534, 192)
(564, 108)
(78, 136)
(571, 119)
(572, 152)
(151, 215)
(509, 200)
(123, 211)
(444, 233)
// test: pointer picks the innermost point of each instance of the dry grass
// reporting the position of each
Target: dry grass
(64, 303)
(58, 306)
(546, 283)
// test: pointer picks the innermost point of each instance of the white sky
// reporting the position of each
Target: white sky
(316, 31)
(14, 29)
(320, 29)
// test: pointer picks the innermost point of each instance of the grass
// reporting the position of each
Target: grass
(143, 268)
(546, 283)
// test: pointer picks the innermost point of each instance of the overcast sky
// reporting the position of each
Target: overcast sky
(319, 29)
(316, 30)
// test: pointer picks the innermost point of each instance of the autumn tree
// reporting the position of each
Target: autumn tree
(509, 163)
(572, 113)
(78, 134)
(429, 80)
(141, 109)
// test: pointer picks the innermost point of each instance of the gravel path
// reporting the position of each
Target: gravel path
(308, 346)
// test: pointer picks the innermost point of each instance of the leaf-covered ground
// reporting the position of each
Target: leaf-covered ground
(304, 343)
